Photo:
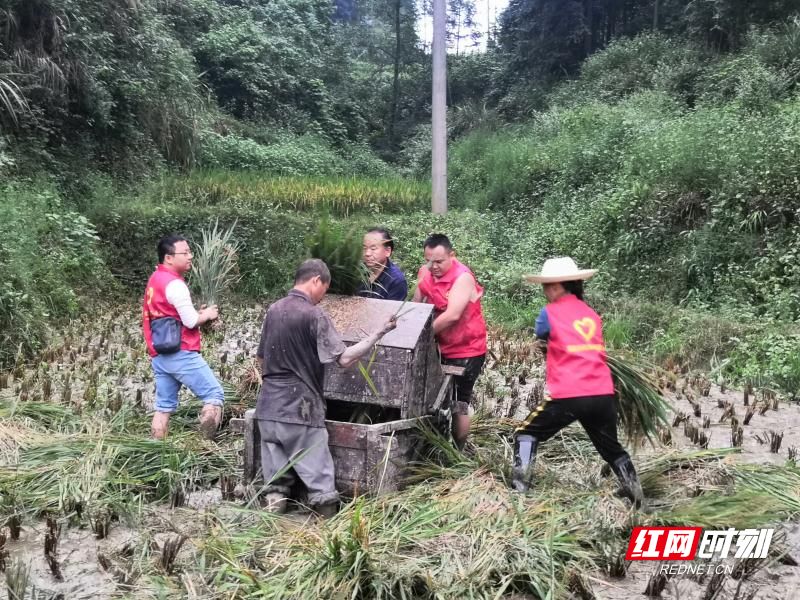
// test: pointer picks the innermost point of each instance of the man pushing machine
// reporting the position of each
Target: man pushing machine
(297, 340)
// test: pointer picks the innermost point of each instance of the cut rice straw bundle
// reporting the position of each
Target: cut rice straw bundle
(642, 408)
(781, 483)
(57, 475)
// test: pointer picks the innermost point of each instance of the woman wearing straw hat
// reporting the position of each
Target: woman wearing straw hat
(578, 379)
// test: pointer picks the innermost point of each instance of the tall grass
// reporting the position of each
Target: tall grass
(12, 100)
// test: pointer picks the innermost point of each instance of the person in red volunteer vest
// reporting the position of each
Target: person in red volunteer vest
(579, 381)
(167, 295)
(459, 325)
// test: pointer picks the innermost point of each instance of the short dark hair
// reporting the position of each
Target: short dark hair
(438, 239)
(574, 287)
(387, 237)
(313, 267)
(166, 245)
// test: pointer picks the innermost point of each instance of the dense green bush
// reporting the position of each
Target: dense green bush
(292, 155)
(289, 154)
(697, 205)
(767, 358)
(49, 265)
(627, 66)
(107, 82)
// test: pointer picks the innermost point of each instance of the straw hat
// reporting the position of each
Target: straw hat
(559, 269)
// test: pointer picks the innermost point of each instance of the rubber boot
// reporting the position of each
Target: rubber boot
(210, 418)
(524, 458)
(275, 502)
(629, 483)
(326, 511)
(159, 426)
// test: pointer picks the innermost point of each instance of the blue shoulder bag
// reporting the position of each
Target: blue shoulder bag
(166, 335)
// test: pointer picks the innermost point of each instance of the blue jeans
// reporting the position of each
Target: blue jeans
(184, 368)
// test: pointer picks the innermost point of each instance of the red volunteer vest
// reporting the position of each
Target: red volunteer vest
(156, 306)
(576, 355)
(467, 338)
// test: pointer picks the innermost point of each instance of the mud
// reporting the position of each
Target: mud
(114, 567)
(510, 386)
(773, 580)
(78, 556)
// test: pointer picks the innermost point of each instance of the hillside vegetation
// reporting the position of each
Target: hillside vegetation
(666, 158)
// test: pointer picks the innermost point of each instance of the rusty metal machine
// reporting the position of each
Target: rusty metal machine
(372, 431)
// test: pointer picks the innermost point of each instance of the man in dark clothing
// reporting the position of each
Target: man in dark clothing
(297, 341)
(386, 280)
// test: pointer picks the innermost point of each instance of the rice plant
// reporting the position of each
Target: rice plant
(50, 416)
(642, 409)
(339, 195)
(448, 539)
(215, 264)
(17, 577)
(76, 472)
(341, 251)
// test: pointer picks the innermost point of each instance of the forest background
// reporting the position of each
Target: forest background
(655, 140)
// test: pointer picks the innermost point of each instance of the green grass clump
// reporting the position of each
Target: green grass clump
(49, 255)
(215, 266)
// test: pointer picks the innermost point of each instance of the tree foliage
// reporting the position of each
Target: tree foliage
(107, 76)
(543, 37)
(122, 84)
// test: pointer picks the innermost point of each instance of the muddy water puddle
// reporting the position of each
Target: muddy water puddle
(118, 565)
(773, 580)
(78, 550)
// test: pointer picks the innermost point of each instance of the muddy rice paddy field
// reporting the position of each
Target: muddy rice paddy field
(91, 508)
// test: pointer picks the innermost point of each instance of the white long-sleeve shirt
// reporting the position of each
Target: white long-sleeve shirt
(178, 295)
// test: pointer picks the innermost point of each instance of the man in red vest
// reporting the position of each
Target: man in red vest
(459, 325)
(171, 330)
(579, 382)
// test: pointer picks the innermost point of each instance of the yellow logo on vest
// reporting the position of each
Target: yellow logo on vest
(586, 327)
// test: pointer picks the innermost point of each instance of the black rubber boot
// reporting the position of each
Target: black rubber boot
(326, 511)
(524, 457)
(629, 483)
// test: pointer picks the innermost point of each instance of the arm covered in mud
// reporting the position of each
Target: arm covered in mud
(351, 355)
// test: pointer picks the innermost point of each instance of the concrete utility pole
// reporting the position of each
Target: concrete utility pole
(439, 109)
